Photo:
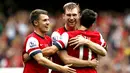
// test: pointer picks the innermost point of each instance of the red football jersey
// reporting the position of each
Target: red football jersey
(33, 45)
(56, 36)
(82, 52)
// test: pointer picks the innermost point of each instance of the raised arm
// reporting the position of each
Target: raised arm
(80, 40)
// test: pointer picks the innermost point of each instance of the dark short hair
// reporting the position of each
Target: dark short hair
(71, 5)
(34, 15)
(88, 17)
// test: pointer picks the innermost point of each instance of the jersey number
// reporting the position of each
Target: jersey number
(81, 53)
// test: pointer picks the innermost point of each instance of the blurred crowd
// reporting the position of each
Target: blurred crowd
(114, 26)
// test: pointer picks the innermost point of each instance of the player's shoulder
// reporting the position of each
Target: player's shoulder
(72, 33)
(47, 36)
(92, 33)
(60, 30)
(75, 32)
(31, 35)
(31, 41)
(96, 32)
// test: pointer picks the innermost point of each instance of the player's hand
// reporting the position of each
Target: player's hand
(94, 63)
(67, 69)
(26, 57)
(78, 41)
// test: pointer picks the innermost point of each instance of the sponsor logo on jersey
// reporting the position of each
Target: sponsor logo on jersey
(55, 38)
(32, 44)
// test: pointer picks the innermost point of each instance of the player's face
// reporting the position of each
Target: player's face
(71, 17)
(43, 23)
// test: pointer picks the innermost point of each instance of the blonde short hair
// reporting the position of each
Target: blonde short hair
(71, 5)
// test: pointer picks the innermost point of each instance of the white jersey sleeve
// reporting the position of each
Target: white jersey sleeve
(55, 36)
(63, 42)
(32, 46)
(103, 43)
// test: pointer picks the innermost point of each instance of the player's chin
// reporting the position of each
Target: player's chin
(46, 30)
(72, 24)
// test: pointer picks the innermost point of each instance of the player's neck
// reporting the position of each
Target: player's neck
(69, 28)
(82, 28)
(40, 33)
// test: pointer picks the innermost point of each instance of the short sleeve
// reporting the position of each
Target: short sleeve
(32, 46)
(55, 36)
(63, 42)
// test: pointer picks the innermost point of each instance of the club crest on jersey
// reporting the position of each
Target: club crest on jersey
(32, 44)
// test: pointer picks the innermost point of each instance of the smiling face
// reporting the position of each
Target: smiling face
(71, 17)
(42, 23)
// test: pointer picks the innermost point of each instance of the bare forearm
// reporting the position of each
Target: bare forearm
(47, 63)
(51, 65)
(49, 50)
(77, 62)
(96, 48)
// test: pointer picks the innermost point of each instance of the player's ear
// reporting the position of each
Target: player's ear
(35, 22)
(63, 16)
(80, 16)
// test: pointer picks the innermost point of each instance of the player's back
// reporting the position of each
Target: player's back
(83, 52)
(91, 35)
(31, 66)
